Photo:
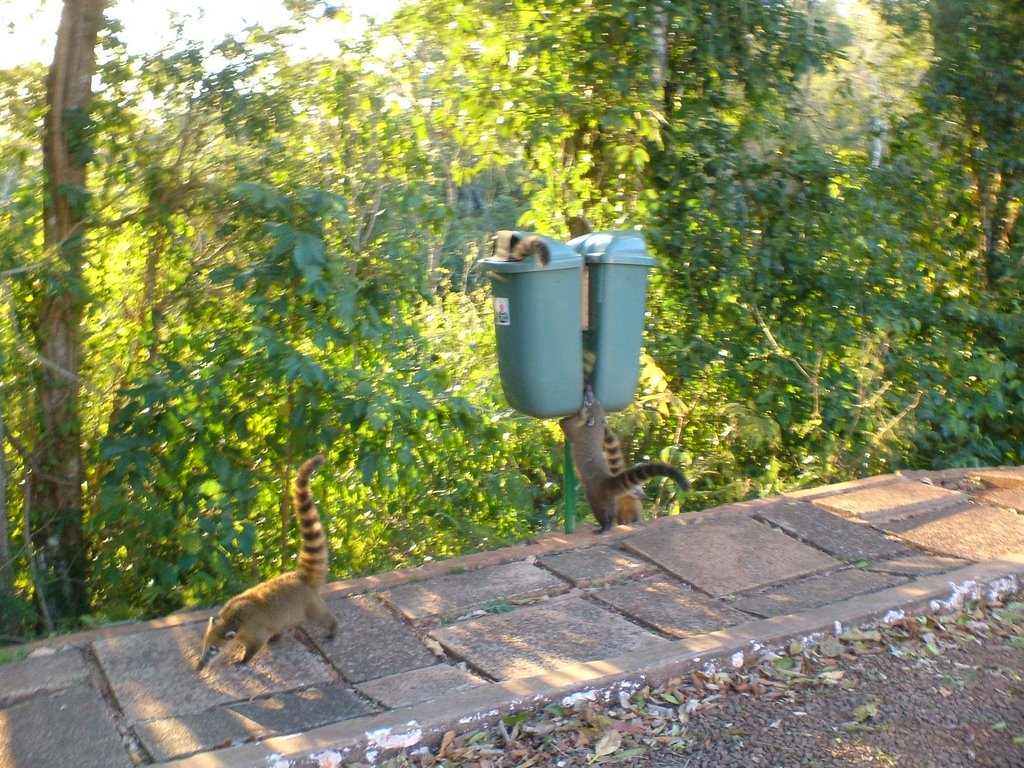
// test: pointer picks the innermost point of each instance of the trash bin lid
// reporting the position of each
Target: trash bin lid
(563, 256)
(624, 247)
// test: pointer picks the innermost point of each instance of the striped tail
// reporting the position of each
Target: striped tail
(312, 568)
(642, 472)
(530, 246)
(613, 452)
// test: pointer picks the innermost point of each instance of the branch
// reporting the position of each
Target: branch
(813, 379)
(20, 270)
(777, 348)
(364, 238)
(34, 356)
(877, 438)
(44, 608)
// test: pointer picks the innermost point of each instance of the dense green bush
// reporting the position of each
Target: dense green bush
(282, 260)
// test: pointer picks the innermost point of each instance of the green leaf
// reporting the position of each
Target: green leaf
(308, 255)
(865, 712)
(515, 719)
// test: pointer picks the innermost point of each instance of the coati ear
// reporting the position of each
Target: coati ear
(230, 634)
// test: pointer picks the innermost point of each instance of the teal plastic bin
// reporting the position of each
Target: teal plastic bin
(538, 312)
(617, 266)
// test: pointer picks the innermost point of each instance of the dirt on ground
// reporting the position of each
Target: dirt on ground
(941, 690)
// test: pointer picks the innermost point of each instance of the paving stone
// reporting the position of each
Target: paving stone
(372, 641)
(975, 532)
(594, 566)
(957, 479)
(669, 606)
(541, 638)
(820, 491)
(41, 673)
(814, 591)
(892, 502)
(838, 536)
(246, 721)
(917, 565)
(729, 554)
(420, 685)
(1008, 498)
(453, 595)
(72, 728)
(1002, 477)
(153, 674)
(217, 728)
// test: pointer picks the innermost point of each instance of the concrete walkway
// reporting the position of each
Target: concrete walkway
(456, 645)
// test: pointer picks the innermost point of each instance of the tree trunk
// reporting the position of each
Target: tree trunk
(6, 560)
(57, 479)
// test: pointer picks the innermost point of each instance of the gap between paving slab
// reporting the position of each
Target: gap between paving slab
(471, 700)
(546, 544)
(371, 738)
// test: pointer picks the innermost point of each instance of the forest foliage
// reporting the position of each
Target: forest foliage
(281, 257)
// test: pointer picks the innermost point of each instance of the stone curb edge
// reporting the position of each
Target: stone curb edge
(373, 737)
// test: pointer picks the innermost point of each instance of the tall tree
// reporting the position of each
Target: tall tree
(58, 472)
(972, 94)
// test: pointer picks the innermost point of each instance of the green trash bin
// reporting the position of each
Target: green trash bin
(538, 312)
(617, 266)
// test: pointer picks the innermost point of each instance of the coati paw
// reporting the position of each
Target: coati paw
(588, 396)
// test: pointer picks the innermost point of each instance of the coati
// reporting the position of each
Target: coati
(628, 506)
(266, 611)
(585, 431)
(511, 246)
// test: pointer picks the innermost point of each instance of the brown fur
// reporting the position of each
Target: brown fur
(628, 506)
(585, 432)
(510, 246)
(265, 612)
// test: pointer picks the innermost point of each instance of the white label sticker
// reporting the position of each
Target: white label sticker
(501, 312)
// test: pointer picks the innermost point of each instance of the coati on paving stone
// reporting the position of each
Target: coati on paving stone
(266, 611)
(585, 432)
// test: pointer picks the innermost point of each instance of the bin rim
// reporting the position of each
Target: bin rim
(563, 256)
(613, 247)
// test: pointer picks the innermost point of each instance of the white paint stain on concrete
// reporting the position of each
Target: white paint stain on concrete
(395, 738)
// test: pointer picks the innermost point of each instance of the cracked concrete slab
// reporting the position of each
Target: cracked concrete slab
(715, 554)
(814, 592)
(454, 595)
(917, 565)
(1008, 498)
(976, 532)
(249, 720)
(595, 566)
(530, 640)
(41, 673)
(886, 503)
(420, 685)
(838, 536)
(372, 641)
(153, 674)
(669, 606)
(49, 730)
(1001, 477)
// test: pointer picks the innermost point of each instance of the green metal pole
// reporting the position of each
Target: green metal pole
(569, 491)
